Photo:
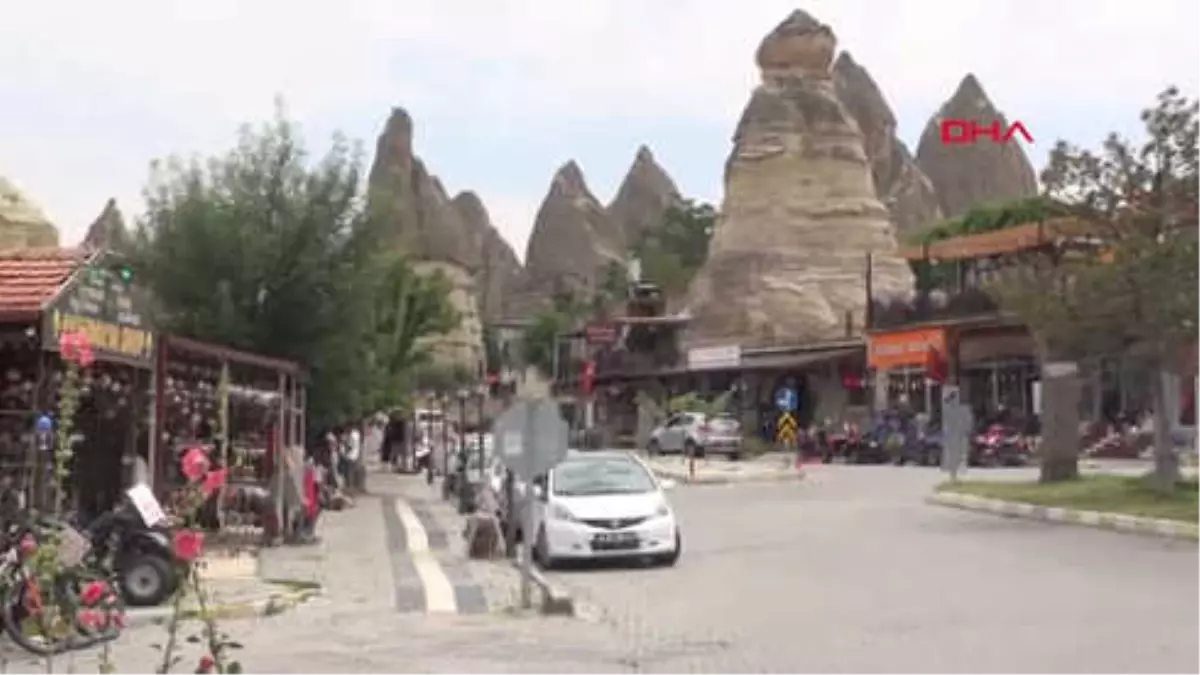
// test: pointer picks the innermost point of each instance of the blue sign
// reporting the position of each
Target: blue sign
(786, 399)
(44, 424)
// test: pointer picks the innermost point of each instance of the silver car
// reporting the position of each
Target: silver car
(695, 433)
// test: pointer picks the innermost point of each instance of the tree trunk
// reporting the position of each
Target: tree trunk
(1166, 461)
(1060, 422)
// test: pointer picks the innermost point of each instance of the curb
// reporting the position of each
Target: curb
(274, 604)
(555, 600)
(682, 477)
(1171, 529)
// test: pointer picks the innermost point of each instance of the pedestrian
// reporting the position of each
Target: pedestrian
(354, 455)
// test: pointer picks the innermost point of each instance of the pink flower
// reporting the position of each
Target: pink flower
(28, 545)
(93, 592)
(189, 544)
(195, 463)
(88, 618)
(86, 356)
(214, 481)
(206, 664)
(76, 348)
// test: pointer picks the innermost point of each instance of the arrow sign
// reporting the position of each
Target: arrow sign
(786, 399)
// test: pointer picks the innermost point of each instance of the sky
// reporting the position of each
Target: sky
(503, 92)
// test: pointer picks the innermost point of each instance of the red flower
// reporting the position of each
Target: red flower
(189, 544)
(206, 664)
(213, 481)
(93, 592)
(86, 356)
(28, 545)
(195, 463)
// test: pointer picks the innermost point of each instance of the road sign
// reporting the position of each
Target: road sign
(786, 399)
(786, 428)
(532, 437)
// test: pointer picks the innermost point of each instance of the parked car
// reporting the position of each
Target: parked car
(603, 504)
(697, 434)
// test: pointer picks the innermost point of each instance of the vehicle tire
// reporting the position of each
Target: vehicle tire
(16, 620)
(541, 551)
(652, 448)
(735, 456)
(145, 580)
(669, 559)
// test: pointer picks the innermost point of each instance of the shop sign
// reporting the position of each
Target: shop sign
(600, 333)
(107, 311)
(904, 348)
(714, 358)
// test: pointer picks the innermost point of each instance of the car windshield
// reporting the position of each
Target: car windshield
(601, 476)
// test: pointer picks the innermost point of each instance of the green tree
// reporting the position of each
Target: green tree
(264, 250)
(672, 253)
(1130, 291)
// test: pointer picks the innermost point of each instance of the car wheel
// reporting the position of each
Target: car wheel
(735, 456)
(541, 551)
(652, 448)
(669, 559)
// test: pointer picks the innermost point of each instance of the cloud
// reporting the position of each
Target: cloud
(105, 87)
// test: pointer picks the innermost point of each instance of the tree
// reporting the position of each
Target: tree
(1130, 291)
(262, 250)
(672, 253)
(540, 339)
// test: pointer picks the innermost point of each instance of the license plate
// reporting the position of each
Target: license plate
(615, 540)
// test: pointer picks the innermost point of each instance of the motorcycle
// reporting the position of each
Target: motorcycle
(141, 558)
(999, 445)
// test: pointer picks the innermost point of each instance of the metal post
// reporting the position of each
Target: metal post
(479, 438)
(527, 550)
(510, 517)
(463, 507)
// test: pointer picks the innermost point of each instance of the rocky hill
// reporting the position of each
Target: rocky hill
(787, 262)
(901, 185)
(497, 270)
(643, 197)
(108, 230)
(22, 222)
(573, 238)
(965, 176)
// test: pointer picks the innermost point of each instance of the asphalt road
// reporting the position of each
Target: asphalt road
(853, 572)
(848, 571)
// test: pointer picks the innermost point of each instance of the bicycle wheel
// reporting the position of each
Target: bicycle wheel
(35, 627)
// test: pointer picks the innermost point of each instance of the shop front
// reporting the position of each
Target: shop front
(60, 291)
(908, 366)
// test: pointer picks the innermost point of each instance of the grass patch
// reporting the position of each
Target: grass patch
(1129, 495)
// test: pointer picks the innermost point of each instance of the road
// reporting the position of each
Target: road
(848, 571)
(853, 572)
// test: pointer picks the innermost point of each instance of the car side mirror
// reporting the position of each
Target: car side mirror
(668, 484)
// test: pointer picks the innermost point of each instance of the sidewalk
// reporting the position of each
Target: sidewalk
(708, 471)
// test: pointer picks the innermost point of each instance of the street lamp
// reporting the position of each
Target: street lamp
(463, 507)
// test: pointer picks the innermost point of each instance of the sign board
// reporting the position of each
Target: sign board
(601, 333)
(714, 358)
(1060, 368)
(105, 309)
(904, 348)
(786, 399)
(146, 504)
(786, 428)
(533, 438)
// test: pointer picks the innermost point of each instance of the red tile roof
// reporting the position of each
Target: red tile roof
(30, 277)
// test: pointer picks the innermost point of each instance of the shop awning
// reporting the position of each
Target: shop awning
(751, 361)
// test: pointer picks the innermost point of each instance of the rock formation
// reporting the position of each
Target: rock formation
(903, 188)
(421, 220)
(643, 198)
(573, 238)
(969, 175)
(108, 230)
(787, 262)
(497, 269)
(22, 223)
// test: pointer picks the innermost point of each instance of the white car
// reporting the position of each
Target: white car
(603, 504)
(694, 433)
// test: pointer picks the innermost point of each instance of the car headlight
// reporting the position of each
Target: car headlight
(560, 512)
(663, 510)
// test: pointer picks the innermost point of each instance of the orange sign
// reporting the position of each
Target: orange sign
(904, 348)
